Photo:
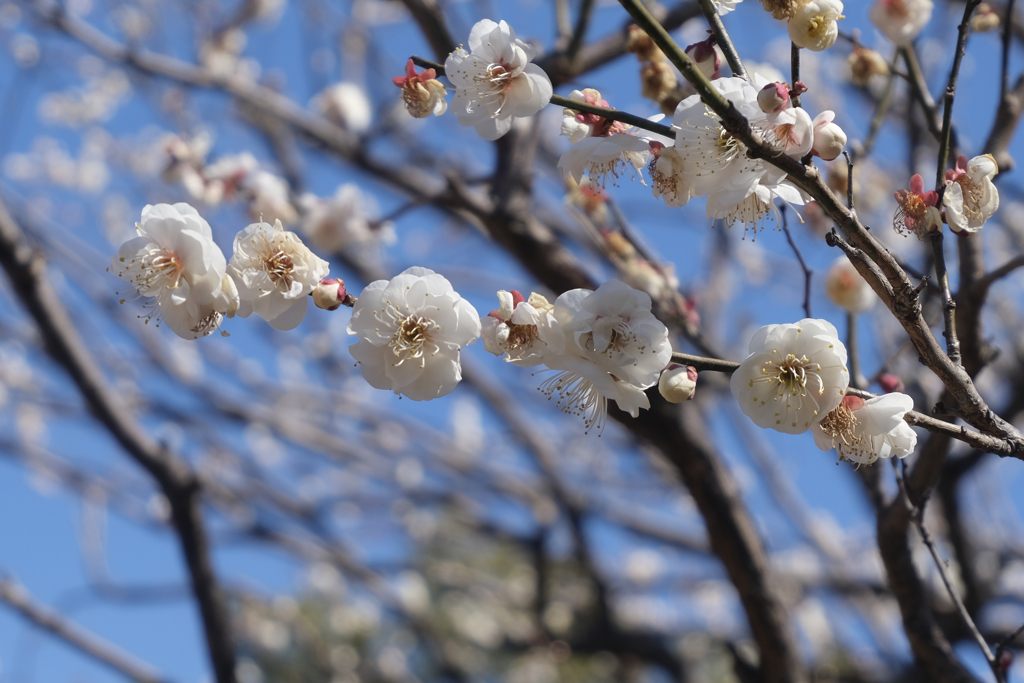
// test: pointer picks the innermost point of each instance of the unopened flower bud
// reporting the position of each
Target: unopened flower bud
(707, 57)
(847, 288)
(984, 19)
(422, 94)
(773, 98)
(829, 138)
(678, 383)
(890, 383)
(865, 63)
(330, 293)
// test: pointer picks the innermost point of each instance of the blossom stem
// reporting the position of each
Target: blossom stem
(849, 180)
(558, 100)
(947, 113)
(808, 273)
(722, 38)
(948, 305)
(881, 109)
(794, 72)
(857, 380)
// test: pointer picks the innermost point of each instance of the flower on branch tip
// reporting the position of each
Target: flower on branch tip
(970, 196)
(985, 19)
(707, 56)
(814, 24)
(411, 330)
(862, 431)
(773, 98)
(175, 260)
(901, 20)
(329, 294)
(917, 211)
(422, 93)
(678, 383)
(274, 272)
(847, 288)
(495, 81)
(600, 146)
(525, 332)
(794, 376)
(829, 138)
(614, 349)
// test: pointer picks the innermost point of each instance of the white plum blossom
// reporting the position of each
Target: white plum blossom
(346, 219)
(422, 93)
(614, 349)
(794, 376)
(725, 6)
(713, 160)
(268, 198)
(275, 273)
(792, 130)
(813, 24)
(847, 288)
(862, 431)
(495, 81)
(707, 57)
(410, 331)
(604, 156)
(970, 197)
(668, 180)
(901, 20)
(601, 147)
(615, 327)
(524, 331)
(175, 260)
(756, 207)
(347, 105)
(829, 138)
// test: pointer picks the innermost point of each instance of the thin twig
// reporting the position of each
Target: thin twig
(808, 273)
(849, 180)
(881, 109)
(794, 71)
(948, 304)
(954, 73)
(558, 100)
(582, 22)
(1004, 83)
(919, 88)
(917, 515)
(15, 596)
(982, 286)
(722, 38)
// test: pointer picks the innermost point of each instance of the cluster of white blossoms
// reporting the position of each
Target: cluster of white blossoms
(795, 379)
(175, 260)
(599, 345)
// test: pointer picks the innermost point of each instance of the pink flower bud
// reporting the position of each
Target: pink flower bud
(678, 383)
(890, 383)
(707, 57)
(773, 98)
(330, 294)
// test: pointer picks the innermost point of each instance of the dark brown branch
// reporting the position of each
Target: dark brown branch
(428, 16)
(1008, 114)
(16, 597)
(27, 272)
